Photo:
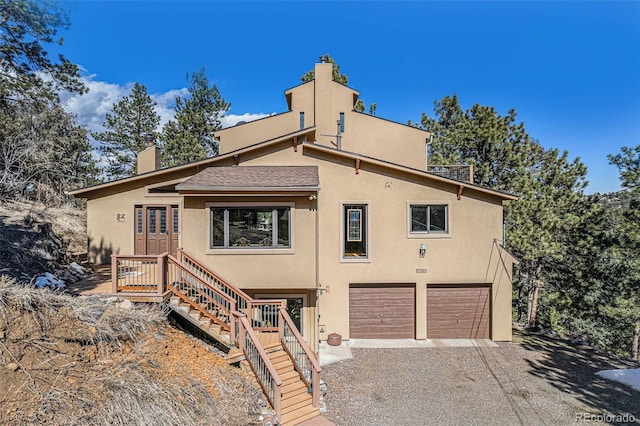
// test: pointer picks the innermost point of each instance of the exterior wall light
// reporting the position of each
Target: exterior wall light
(423, 249)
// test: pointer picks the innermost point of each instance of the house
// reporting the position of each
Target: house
(333, 210)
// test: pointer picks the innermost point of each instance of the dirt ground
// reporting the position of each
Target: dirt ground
(35, 238)
(90, 360)
(535, 380)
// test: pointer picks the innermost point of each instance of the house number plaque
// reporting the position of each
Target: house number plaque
(421, 270)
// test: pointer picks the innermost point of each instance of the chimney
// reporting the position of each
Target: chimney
(148, 158)
(324, 71)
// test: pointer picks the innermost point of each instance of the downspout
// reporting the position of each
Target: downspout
(316, 344)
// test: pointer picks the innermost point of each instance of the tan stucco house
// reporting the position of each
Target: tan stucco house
(331, 209)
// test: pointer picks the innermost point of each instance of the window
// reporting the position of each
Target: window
(355, 230)
(139, 220)
(301, 120)
(429, 218)
(342, 122)
(250, 227)
(176, 223)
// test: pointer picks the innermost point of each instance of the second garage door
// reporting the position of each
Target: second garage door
(382, 311)
(458, 311)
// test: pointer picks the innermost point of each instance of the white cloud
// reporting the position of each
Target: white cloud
(91, 107)
(232, 119)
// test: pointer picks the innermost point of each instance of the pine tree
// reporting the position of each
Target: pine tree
(130, 121)
(26, 71)
(190, 136)
(506, 158)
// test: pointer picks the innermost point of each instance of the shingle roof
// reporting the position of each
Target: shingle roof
(253, 177)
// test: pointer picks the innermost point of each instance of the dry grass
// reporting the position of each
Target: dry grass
(90, 361)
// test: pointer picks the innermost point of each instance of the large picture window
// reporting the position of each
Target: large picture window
(429, 218)
(250, 227)
(355, 230)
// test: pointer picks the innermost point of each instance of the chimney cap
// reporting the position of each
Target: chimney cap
(148, 140)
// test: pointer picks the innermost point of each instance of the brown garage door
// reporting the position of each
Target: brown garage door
(458, 312)
(383, 311)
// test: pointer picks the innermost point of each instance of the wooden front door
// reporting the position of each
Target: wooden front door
(156, 229)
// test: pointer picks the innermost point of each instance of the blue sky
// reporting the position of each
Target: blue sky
(571, 69)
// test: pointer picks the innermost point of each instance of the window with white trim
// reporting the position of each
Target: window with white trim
(429, 219)
(250, 227)
(355, 230)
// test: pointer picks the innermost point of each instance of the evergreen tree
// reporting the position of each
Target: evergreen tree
(130, 121)
(506, 158)
(190, 136)
(26, 71)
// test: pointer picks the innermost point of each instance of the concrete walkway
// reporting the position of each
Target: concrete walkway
(330, 354)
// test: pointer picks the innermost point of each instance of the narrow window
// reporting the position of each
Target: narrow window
(429, 218)
(152, 221)
(301, 120)
(342, 122)
(163, 221)
(355, 230)
(175, 217)
(139, 218)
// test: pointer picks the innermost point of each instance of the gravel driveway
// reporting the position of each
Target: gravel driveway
(535, 380)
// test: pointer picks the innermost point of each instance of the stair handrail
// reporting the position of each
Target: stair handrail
(313, 384)
(228, 324)
(269, 380)
(238, 295)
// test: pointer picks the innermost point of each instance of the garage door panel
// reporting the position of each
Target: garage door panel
(382, 311)
(458, 312)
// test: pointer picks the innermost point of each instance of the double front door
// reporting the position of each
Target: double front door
(156, 229)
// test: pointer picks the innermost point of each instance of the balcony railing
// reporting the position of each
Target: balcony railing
(461, 173)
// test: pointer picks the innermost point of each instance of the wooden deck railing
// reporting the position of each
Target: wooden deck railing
(201, 296)
(231, 308)
(138, 274)
(461, 173)
(262, 366)
(303, 357)
(240, 297)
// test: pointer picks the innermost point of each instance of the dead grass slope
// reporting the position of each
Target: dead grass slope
(89, 360)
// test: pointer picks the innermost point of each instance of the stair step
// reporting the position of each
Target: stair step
(283, 366)
(289, 377)
(235, 355)
(278, 355)
(293, 389)
(293, 407)
(305, 396)
(300, 415)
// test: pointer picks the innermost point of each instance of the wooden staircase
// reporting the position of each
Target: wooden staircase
(297, 404)
(259, 334)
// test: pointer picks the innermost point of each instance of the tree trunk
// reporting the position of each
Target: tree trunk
(537, 283)
(636, 341)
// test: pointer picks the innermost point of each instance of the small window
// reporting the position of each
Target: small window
(139, 218)
(342, 122)
(175, 217)
(301, 120)
(355, 230)
(250, 227)
(429, 218)
(152, 220)
(163, 221)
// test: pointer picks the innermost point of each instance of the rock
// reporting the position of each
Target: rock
(125, 304)
(2, 336)
(12, 366)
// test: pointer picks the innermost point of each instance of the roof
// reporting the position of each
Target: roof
(253, 178)
(198, 164)
(406, 169)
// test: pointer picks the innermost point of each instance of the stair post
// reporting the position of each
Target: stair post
(161, 272)
(114, 274)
